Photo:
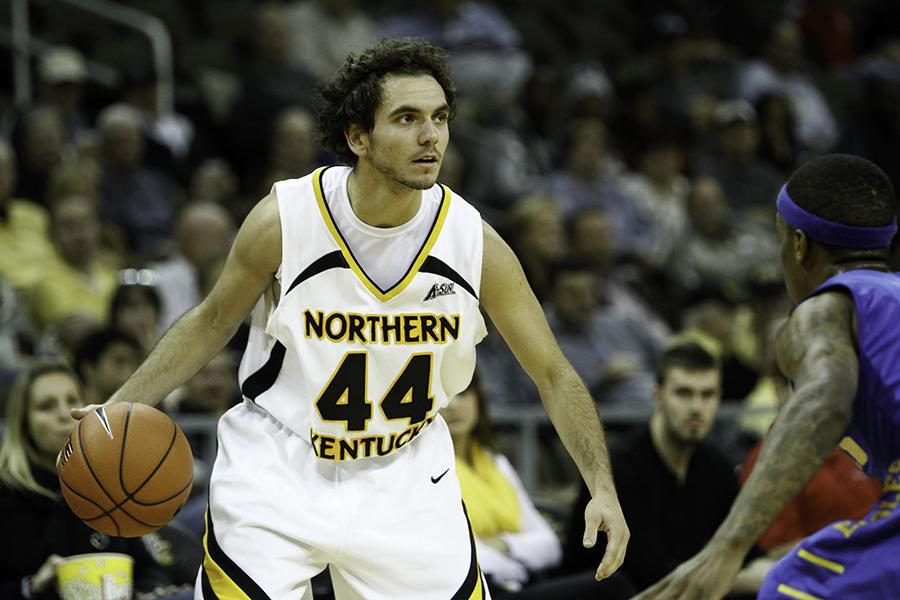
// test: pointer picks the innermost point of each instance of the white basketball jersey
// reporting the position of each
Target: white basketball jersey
(355, 369)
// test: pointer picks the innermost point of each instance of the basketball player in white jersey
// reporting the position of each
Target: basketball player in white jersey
(366, 281)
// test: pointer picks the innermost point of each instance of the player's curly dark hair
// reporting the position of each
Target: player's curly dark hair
(353, 94)
(845, 189)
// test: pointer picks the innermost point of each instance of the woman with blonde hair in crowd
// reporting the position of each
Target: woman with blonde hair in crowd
(517, 549)
(35, 517)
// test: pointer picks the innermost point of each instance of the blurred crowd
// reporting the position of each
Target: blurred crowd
(629, 152)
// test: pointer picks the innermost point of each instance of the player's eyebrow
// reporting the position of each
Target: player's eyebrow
(407, 108)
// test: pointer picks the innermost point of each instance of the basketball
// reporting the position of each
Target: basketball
(126, 469)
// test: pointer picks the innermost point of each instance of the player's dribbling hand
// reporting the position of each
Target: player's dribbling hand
(603, 513)
(80, 413)
(708, 575)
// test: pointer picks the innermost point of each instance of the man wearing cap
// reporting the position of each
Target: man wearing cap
(62, 72)
(839, 347)
(748, 180)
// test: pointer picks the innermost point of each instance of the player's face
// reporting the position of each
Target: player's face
(411, 131)
(461, 413)
(49, 423)
(688, 401)
(789, 264)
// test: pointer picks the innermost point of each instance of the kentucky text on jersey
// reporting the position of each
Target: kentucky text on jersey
(332, 448)
(415, 328)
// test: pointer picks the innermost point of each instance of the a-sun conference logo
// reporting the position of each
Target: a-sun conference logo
(440, 289)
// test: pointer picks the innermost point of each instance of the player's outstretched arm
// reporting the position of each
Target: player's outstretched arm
(204, 330)
(816, 351)
(513, 308)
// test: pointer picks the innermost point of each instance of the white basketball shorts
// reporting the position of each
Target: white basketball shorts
(390, 528)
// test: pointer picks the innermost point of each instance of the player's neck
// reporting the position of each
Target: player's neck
(380, 202)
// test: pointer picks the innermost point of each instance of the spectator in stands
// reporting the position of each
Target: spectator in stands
(39, 138)
(710, 318)
(784, 68)
(324, 32)
(63, 72)
(513, 541)
(79, 176)
(495, 142)
(749, 182)
(293, 148)
(486, 51)
(622, 288)
(104, 360)
(44, 529)
(78, 284)
(24, 245)
(777, 129)
(613, 353)
(168, 136)
(212, 391)
(720, 250)
(675, 489)
(203, 231)
(215, 181)
(269, 84)
(590, 177)
(16, 338)
(538, 237)
(839, 490)
(140, 201)
(136, 308)
(659, 192)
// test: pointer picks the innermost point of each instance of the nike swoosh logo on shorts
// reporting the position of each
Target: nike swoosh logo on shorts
(439, 477)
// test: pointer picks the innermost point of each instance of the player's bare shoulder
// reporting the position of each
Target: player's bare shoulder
(499, 266)
(260, 235)
(820, 328)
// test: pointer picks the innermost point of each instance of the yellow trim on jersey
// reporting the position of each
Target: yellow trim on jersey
(478, 592)
(383, 295)
(822, 562)
(224, 587)
(849, 445)
(795, 593)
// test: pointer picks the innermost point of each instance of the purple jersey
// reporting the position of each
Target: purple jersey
(859, 559)
(874, 431)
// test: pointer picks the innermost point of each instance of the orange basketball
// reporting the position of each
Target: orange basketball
(126, 469)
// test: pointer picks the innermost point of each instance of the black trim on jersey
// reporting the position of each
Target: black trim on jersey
(438, 267)
(467, 588)
(208, 592)
(265, 376)
(445, 197)
(332, 260)
(228, 566)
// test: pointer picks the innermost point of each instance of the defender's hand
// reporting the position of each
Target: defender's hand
(603, 513)
(708, 575)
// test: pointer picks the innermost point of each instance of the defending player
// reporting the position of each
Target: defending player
(367, 282)
(840, 348)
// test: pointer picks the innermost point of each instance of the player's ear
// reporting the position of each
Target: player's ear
(357, 139)
(801, 247)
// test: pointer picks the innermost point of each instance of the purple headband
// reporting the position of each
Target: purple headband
(831, 233)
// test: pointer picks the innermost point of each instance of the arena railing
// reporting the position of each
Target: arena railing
(151, 26)
(525, 422)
